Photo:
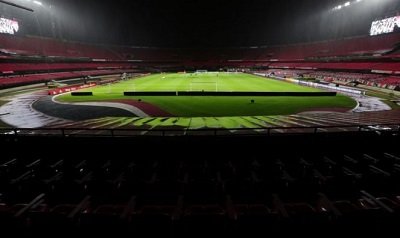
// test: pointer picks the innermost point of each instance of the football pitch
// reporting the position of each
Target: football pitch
(203, 106)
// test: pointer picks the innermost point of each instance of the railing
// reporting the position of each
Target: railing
(135, 132)
(315, 85)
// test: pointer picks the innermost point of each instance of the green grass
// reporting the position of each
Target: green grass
(191, 123)
(239, 106)
(191, 106)
(3, 124)
(198, 82)
(386, 98)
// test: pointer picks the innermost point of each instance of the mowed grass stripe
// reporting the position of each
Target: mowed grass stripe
(208, 106)
(182, 82)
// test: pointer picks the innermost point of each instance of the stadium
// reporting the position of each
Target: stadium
(181, 119)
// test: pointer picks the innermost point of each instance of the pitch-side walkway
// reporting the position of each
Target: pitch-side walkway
(134, 110)
(32, 110)
(370, 104)
(84, 111)
(19, 112)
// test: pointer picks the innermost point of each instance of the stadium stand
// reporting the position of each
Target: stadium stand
(35, 46)
(247, 191)
(376, 46)
(376, 80)
(256, 189)
(11, 81)
(8, 68)
(20, 58)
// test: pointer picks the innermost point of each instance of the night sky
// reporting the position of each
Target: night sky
(200, 23)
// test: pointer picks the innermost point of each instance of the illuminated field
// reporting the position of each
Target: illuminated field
(194, 106)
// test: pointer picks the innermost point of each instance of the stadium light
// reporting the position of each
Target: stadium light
(38, 3)
(346, 4)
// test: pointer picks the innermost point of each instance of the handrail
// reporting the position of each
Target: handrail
(185, 131)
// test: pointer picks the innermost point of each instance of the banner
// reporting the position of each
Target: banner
(387, 25)
(8, 26)
(69, 88)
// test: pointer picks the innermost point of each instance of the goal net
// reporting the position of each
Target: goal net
(201, 71)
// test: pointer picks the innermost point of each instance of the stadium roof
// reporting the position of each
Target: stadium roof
(204, 23)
